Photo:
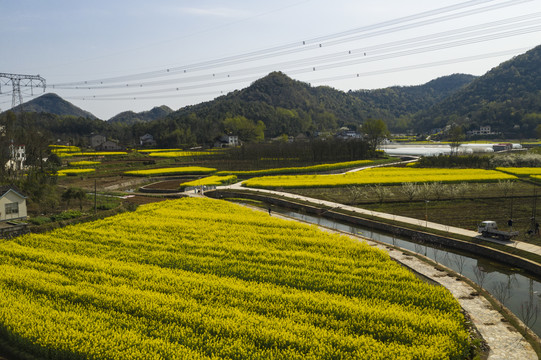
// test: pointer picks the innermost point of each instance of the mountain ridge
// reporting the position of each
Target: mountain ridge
(507, 97)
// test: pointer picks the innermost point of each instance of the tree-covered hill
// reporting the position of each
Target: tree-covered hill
(508, 98)
(130, 117)
(289, 107)
(408, 100)
(283, 105)
(51, 103)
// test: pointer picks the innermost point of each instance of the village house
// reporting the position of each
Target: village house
(96, 140)
(108, 145)
(12, 204)
(227, 141)
(147, 140)
(483, 130)
(100, 143)
(17, 157)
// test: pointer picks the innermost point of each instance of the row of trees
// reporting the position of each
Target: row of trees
(424, 191)
(328, 150)
(176, 131)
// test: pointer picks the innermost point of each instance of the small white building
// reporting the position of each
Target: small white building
(227, 141)
(17, 157)
(483, 130)
(147, 140)
(12, 204)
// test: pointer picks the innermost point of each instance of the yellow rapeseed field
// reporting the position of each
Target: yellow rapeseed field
(172, 171)
(206, 279)
(174, 154)
(520, 171)
(74, 172)
(300, 169)
(83, 163)
(211, 180)
(380, 175)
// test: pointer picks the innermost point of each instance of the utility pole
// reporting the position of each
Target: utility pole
(95, 196)
(534, 227)
(18, 80)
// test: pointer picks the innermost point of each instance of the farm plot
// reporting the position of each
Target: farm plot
(382, 176)
(202, 279)
(183, 170)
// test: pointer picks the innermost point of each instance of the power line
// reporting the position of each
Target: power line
(316, 61)
(419, 66)
(323, 80)
(326, 66)
(290, 48)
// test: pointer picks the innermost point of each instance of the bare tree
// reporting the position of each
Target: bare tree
(357, 193)
(453, 190)
(506, 187)
(426, 191)
(480, 274)
(462, 189)
(529, 311)
(437, 190)
(381, 192)
(459, 262)
(502, 291)
(409, 190)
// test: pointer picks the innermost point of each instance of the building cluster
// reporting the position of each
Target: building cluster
(100, 143)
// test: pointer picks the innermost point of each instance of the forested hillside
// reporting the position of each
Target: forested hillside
(131, 117)
(51, 103)
(279, 105)
(508, 98)
(402, 102)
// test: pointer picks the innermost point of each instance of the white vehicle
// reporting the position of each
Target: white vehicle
(490, 229)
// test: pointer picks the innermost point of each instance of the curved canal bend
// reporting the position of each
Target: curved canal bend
(520, 292)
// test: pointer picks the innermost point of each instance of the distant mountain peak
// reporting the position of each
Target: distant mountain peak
(51, 103)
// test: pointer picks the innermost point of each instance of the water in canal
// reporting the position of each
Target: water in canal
(518, 291)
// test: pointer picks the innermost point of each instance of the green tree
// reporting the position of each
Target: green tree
(375, 131)
(456, 136)
(74, 193)
(246, 129)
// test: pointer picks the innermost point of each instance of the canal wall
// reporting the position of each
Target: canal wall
(416, 235)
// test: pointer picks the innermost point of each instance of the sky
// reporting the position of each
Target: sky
(111, 56)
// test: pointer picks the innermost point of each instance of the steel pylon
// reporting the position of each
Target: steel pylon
(18, 80)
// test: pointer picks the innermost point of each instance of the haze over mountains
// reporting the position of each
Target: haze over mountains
(508, 98)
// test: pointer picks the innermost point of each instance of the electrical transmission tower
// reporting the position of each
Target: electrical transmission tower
(18, 80)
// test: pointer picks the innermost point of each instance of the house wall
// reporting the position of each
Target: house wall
(9, 198)
(97, 140)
